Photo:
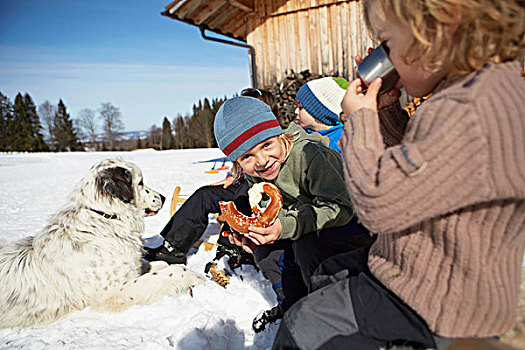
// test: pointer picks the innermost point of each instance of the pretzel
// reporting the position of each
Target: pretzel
(240, 222)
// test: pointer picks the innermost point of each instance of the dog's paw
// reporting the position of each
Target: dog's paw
(182, 276)
(157, 265)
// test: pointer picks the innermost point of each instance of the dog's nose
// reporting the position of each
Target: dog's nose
(162, 198)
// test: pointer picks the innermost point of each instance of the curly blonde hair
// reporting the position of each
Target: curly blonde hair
(488, 30)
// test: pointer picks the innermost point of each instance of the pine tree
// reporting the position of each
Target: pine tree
(66, 136)
(37, 139)
(201, 125)
(166, 141)
(6, 123)
(21, 137)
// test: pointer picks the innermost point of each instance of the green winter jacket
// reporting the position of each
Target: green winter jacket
(312, 184)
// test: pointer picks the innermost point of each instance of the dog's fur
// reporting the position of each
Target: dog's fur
(89, 255)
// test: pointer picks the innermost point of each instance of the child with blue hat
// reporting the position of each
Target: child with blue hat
(320, 106)
(316, 220)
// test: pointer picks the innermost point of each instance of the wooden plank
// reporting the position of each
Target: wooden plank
(175, 5)
(337, 19)
(302, 35)
(305, 5)
(259, 8)
(240, 28)
(207, 11)
(188, 8)
(267, 8)
(324, 42)
(281, 49)
(259, 44)
(344, 9)
(307, 47)
(314, 41)
(365, 42)
(224, 18)
(244, 5)
(284, 45)
(266, 55)
(355, 37)
(252, 38)
(273, 51)
(255, 40)
(292, 42)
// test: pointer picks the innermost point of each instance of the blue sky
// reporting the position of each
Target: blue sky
(124, 52)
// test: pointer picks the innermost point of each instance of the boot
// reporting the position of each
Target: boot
(165, 252)
(266, 317)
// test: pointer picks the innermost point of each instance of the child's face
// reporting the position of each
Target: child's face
(305, 119)
(264, 160)
(416, 80)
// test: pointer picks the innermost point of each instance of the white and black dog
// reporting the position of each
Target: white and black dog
(89, 255)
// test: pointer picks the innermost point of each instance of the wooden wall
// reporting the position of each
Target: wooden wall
(317, 35)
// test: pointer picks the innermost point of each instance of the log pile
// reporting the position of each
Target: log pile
(285, 92)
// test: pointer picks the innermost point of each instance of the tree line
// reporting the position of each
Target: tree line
(48, 127)
(190, 131)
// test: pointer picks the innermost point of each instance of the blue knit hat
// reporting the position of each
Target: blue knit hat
(243, 122)
(322, 98)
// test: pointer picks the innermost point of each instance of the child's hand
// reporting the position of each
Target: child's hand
(242, 241)
(225, 183)
(387, 98)
(265, 235)
(354, 99)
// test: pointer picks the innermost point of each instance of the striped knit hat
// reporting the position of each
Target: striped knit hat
(243, 122)
(322, 98)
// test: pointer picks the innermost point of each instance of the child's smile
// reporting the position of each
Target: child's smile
(264, 160)
(267, 171)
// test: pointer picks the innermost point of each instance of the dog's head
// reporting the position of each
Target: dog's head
(115, 181)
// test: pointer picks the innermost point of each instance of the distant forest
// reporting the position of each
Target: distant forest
(24, 127)
(48, 127)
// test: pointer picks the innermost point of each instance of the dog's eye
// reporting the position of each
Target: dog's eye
(141, 183)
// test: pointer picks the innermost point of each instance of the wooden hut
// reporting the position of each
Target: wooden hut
(322, 36)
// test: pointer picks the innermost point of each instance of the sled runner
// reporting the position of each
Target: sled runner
(175, 200)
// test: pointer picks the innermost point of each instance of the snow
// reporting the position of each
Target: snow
(34, 186)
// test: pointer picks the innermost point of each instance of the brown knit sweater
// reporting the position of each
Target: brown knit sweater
(447, 199)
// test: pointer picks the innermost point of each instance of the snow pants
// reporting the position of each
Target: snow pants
(350, 309)
(289, 264)
(188, 223)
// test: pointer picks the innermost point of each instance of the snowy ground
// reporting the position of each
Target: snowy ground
(34, 186)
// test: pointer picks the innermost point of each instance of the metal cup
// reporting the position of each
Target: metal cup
(378, 64)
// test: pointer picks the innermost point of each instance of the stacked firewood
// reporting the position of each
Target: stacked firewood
(285, 92)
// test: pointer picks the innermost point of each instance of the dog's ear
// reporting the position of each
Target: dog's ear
(116, 182)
